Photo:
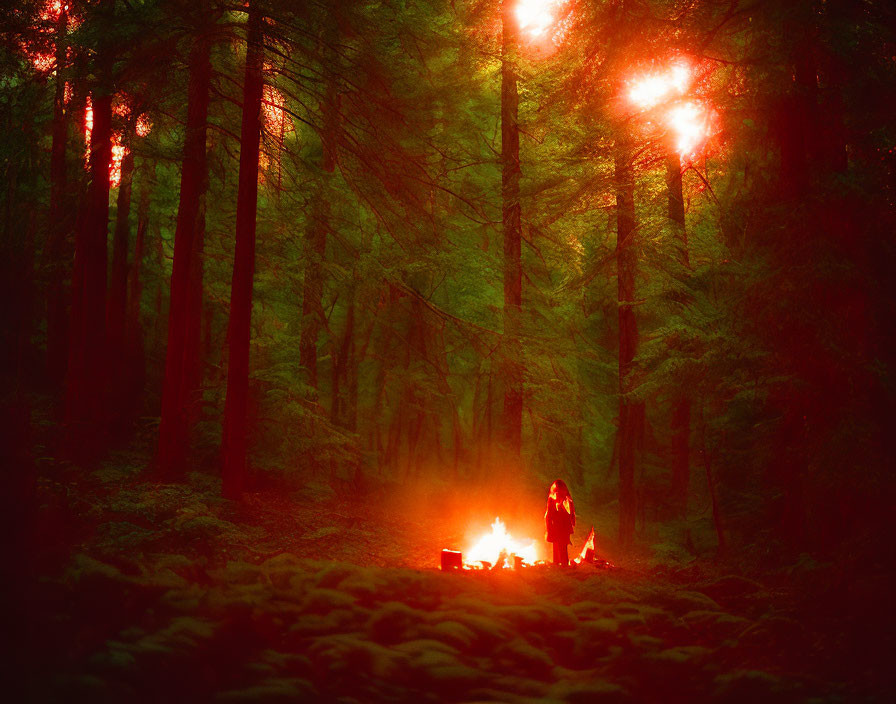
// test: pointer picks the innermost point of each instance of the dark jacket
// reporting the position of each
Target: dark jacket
(558, 522)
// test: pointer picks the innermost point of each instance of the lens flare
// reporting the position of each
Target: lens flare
(690, 125)
(537, 16)
(652, 89)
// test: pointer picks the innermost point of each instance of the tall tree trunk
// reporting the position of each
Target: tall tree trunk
(194, 349)
(86, 419)
(59, 223)
(681, 410)
(134, 343)
(341, 369)
(717, 517)
(319, 225)
(116, 303)
(237, 400)
(183, 323)
(631, 413)
(798, 119)
(510, 217)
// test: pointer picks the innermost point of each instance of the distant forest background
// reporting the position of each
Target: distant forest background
(385, 245)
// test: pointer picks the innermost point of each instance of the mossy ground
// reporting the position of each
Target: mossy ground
(164, 592)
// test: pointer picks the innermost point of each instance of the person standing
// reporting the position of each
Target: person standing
(559, 521)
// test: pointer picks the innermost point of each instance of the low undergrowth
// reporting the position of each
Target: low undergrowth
(167, 593)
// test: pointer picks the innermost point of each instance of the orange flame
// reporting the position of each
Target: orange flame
(589, 545)
(491, 545)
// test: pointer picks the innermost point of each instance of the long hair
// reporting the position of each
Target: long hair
(562, 489)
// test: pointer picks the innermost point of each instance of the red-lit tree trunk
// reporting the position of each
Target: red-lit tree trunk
(237, 401)
(134, 346)
(183, 320)
(59, 223)
(319, 224)
(631, 413)
(86, 419)
(510, 218)
(681, 409)
(116, 302)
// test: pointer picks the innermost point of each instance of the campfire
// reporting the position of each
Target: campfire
(499, 550)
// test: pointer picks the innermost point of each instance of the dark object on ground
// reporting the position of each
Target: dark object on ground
(452, 560)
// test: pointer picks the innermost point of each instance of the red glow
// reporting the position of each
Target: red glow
(51, 10)
(119, 150)
(88, 127)
(274, 108)
(118, 153)
(43, 61)
(144, 125)
(120, 108)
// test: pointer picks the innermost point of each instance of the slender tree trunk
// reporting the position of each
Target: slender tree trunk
(134, 344)
(183, 323)
(236, 404)
(681, 405)
(59, 225)
(631, 413)
(342, 355)
(86, 418)
(319, 225)
(116, 303)
(510, 216)
(194, 355)
(798, 119)
(717, 518)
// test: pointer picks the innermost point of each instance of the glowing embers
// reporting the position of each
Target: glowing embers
(537, 16)
(499, 546)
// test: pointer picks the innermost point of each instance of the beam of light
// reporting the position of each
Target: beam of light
(650, 90)
(689, 123)
(537, 16)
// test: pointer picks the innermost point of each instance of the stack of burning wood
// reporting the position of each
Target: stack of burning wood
(499, 551)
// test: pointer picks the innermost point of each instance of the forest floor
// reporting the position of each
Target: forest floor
(165, 592)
